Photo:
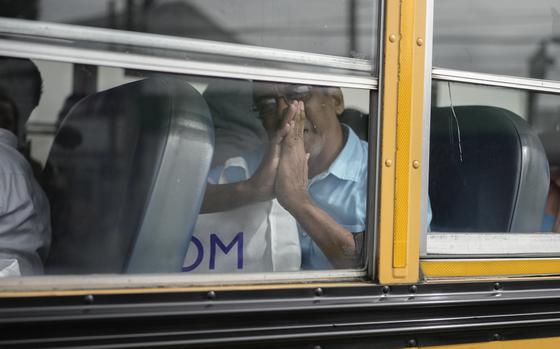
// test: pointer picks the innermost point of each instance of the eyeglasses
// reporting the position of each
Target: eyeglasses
(268, 105)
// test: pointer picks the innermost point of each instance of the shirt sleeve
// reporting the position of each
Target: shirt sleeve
(20, 230)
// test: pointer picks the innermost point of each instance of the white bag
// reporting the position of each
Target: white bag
(261, 237)
(9, 267)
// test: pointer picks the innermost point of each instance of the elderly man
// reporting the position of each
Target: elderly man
(315, 166)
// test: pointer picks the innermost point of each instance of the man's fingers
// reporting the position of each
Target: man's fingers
(290, 113)
(296, 133)
(280, 134)
(300, 119)
(297, 125)
(302, 109)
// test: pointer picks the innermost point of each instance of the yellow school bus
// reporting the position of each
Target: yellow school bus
(289, 174)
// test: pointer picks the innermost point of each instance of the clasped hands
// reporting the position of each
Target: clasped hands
(283, 171)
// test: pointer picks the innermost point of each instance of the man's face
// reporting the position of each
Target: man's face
(322, 107)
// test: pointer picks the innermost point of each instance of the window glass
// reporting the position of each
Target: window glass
(517, 38)
(494, 168)
(341, 28)
(126, 171)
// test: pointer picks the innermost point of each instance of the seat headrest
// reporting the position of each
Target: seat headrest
(358, 121)
(488, 171)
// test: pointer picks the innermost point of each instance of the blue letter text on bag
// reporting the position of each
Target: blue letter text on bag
(215, 241)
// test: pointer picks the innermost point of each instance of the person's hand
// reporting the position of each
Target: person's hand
(262, 183)
(291, 179)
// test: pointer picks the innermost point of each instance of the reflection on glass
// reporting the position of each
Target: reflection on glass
(498, 37)
(494, 156)
(343, 28)
(149, 173)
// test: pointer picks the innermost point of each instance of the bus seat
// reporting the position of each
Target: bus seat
(127, 190)
(495, 181)
(358, 122)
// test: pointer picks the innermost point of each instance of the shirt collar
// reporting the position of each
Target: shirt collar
(8, 138)
(349, 163)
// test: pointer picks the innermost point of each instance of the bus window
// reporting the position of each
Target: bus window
(157, 173)
(501, 37)
(349, 25)
(493, 155)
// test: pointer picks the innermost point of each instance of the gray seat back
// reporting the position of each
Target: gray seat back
(129, 172)
(495, 180)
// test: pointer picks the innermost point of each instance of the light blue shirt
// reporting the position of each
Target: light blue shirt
(341, 191)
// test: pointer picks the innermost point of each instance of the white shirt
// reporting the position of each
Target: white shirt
(25, 227)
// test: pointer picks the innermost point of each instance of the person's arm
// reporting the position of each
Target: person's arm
(338, 244)
(222, 197)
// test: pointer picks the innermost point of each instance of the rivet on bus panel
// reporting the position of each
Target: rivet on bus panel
(89, 299)
(416, 164)
(419, 42)
(388, 163)
(392, 38)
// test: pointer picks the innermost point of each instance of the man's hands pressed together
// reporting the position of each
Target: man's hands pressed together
(261, 185)
(292, 177)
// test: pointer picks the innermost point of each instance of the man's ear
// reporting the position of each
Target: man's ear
(338, 99)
